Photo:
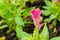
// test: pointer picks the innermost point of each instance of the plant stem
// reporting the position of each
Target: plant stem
(28, 22)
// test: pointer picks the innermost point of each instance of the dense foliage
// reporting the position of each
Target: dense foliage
(13, 12)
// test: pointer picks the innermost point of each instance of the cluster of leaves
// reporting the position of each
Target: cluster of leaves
(53, 11)
(44, 35)
(11, 12)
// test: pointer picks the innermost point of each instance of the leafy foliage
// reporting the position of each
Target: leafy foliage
(52, 10)
(56, 38)
(20, 34)
(11, 12)
(44, 34)
(27, 12)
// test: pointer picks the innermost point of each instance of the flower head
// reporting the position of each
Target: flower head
(58, 1)
(36, 17)
(35, 13)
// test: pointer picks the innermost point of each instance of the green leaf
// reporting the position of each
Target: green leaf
(1, 1)
(3, 7)
(44, 34)
(8, 31)
(47, 20)
(1, 22)
(13, 8)
(20, 33)
(4, 26)
(27, 11)
(21, 6)
(19, 20)
(46, 7)
(48, 3)
(12, 1)
(54, 22)
(6, 15)
(4, 11)
(56, 38)
(46, 12)
(53, 16)
(58, 17)
(36, 34)
(32, 1)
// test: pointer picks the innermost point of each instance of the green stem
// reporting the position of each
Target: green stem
(28, 22)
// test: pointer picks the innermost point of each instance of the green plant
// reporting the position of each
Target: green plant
(12, 11)
(53, 11)
(44, 35)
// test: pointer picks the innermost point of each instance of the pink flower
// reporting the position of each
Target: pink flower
(57, 1)
(36, 17)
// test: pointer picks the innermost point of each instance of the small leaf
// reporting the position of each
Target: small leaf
(1, 22)
(46, 7)
(6, 15)
(4, 26)
(53, 16)
(46, 12)
(19, 20)
(48, 3)
(44, 34)
(58, 17)
(54, 22)
(20, 33)
(1, 1)
(27, 11)
(36, 34)
(32, 1)
(21, 6)
(8, 31)
(56, 38)
(47, 20)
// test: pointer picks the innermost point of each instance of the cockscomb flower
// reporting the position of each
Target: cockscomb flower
(57, 1)
(36, 17)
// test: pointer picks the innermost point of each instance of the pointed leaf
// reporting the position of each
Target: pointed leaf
(4, 26)
(48, 3)
(27, 11)
(46, 12)
(19, 20)
(53, 16)
(56, 38)
(20, 33)
(44, 34)
(47, 20)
